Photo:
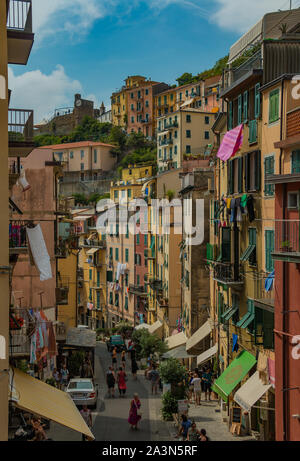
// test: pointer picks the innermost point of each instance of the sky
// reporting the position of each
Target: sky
(91, 46)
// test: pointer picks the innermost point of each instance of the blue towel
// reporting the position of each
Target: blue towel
(269, 281)
(235, 346)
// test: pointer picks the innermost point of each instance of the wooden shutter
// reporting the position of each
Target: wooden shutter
(269, 248)
(239, 109)
(257, 170)
(257, 100)
(247, 172)
(296, 161)
(240, 174)
(245, 107)
(230, 116)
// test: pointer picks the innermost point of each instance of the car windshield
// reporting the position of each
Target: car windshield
(80, 385)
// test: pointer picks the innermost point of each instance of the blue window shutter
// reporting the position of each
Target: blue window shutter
(257, 100)
(239, 109)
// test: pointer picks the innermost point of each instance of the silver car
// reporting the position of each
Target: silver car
(83, 392)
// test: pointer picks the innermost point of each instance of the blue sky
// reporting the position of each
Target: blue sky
(91, 46)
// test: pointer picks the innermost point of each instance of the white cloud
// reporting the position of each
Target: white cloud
(42, 92)
(241, 15)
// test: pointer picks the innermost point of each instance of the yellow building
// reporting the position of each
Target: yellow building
(119, 100)
(66, 290)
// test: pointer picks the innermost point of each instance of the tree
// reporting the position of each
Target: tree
(124, 327)
(147, 344)
(185, 79)
(171, 371)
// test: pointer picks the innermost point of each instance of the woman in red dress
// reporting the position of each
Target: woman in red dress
(121, 379)
(134, 416)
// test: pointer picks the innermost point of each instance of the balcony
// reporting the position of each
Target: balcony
(13, 174)
(254, 62)
(262, 296)
(156, 284)
(17, 237)
(226, 273)
(169, 126)
(137, 290)
(21, 326)
(166, 142)
(20, 132)
(19, 31)
(62, 290)
(287, 245)
(252, 131)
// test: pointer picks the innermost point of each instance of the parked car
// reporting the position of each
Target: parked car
(116, 341)
(83, 392)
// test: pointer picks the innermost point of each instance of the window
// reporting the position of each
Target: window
(90, 274)
(188, 119)
(95, 155)
(269, 248)
(187, 149)
(117, 299)
(126, 279)
(98, 299)
(98, 278)
(206, 120)
(146, 91)
(235, 176)
(245, 111)
(220, 298)
(111, 253)
(132, 119)
(129, 193)
(132, 107)
(206, 135)
(274, 106)
(248, 320)
(257, 100)
(250, 252)
(146, 239)
(137, 239)
(263, 327)
(226, 244)
(188, 133)
(269, 169)
(139, 94)
(71, 154)
(186, 93)
(230, 116)
(82, 166)
(293, 200)
(131, 95)
(296, 161)
(147, 104)
(90, 295)
(117, 254)
(175, 134)
(175, 150)
(81, 154)
(126, 303)
(159, 153)
(252, 171)
(126, 255)
(138, 280)
(110, 298)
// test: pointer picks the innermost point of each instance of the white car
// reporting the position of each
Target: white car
(83, 392)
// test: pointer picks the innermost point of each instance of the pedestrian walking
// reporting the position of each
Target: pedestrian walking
(154, 378)
(123, 359)
(134, 412)
(134, 369)
(193, 433)
(57, 377)
(114, 358)
(87, 416)
(64, 373)
(111, 381)
(203, 436)
(196, 382)
(185, 425)
(191, 387)
(121, 380)
(207, 378)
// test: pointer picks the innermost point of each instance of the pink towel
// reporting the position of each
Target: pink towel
(231, 143)
(271, 370)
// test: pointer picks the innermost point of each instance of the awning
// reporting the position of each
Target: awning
(41, 399)
(207, 354)
(156, 327)
(81, 337)
(92, 251)
(142, 325)
(178, 353)
(82, 218)
(199, 335)
(251, 392)
(187, 102)
(234, 374)
(231, 143)
(176, 340)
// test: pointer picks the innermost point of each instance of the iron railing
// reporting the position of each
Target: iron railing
(21, 326)
(263, 291)
(19, 15)
(254, 62)
(165, 142)
(228, 273)
(287, 236)
(20, 125)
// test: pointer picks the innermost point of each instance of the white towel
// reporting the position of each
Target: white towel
(39, 252)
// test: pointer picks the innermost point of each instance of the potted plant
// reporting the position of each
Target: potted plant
(286, 245)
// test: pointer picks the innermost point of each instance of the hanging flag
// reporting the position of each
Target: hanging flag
(231, 143)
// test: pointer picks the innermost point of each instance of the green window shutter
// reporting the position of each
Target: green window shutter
(240, 101)
(98, 278)
(110, 298)
(257, 101)
(220, 306)
(126, 303)
(138, 239)
(117, 254)
(90, 295)
(145, 239)
(257, 170)
(245, 106)
(247, 172)
(240, 174)
(269, 169)
(110, 253)
(296, 161)
(258, 326)
(90, 274)
(126, 255)
(269, 248)
(226, 244)
(230, 116)
(274, 106)
(98, 299)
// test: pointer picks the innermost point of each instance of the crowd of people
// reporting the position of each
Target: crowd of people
(199, 382)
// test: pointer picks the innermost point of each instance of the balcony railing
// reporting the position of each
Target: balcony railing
(264, 293)
(21, 326)
(228, 274)
(252, 131)
(165, 142)
(19, 15)
(254, 62)
(17, 235)
(20, 125)
(287, 239)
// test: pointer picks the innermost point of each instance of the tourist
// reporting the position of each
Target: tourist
(114, 358)
(123, 359)
(134, 369)
(57, 377)
(87, 416)
(197, 388)
(121, 380)
(154, 378)
(185, 425)
(191, 387)
(134, 412)
(193, 433)
(111, 381)
(64, 373)
(207, 378)
(203, 436)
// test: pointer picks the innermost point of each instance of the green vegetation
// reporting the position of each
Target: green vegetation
(75, 362)
(171, 371)
(92, 199)
(169, 406)
(217, 69)
(147, 344)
